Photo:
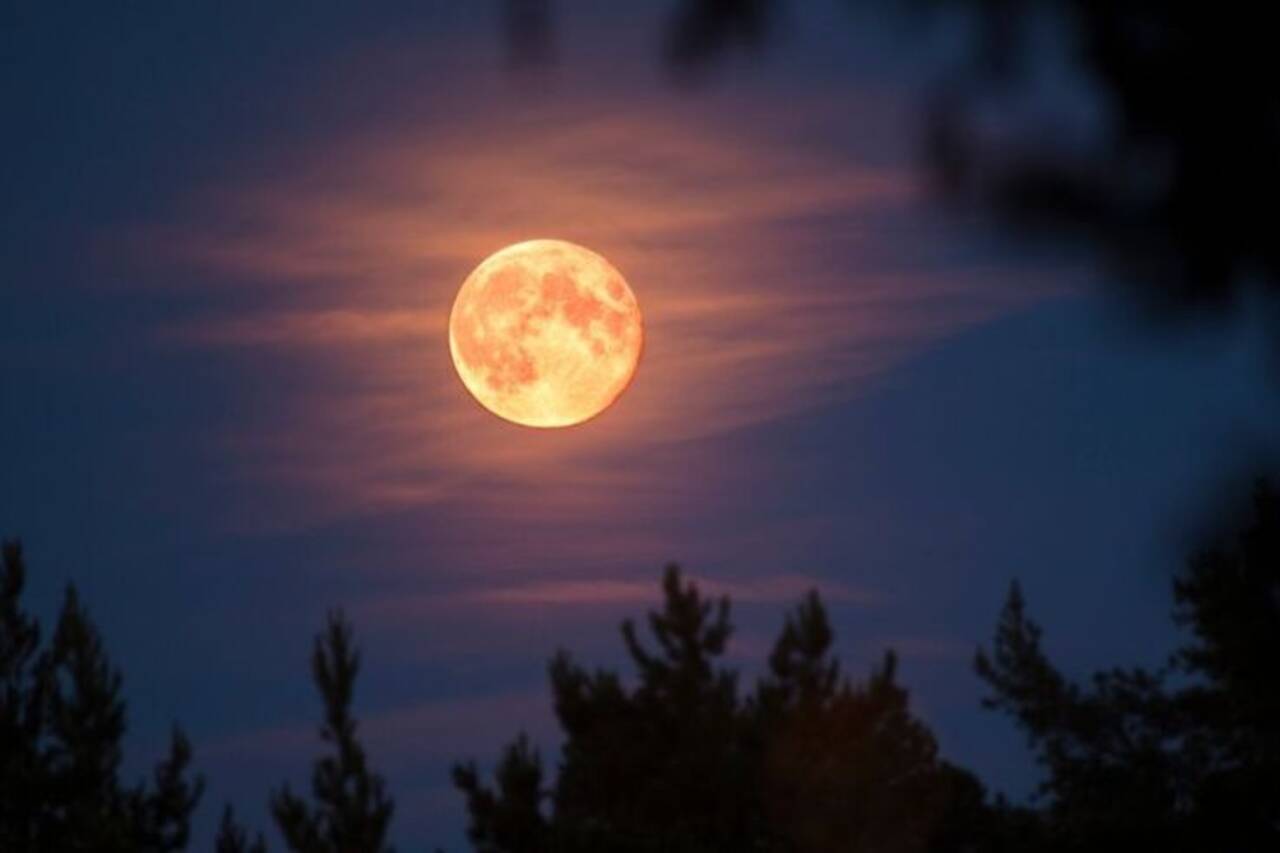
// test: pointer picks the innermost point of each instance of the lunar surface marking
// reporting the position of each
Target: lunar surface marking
(545, 333)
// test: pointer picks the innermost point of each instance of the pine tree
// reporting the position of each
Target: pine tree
(1181, 758)
(352, 811)
(233, 838)
(810, 762)
(510, 819)
(657, 767)
(62, 721)
(22, 711)
(846, 765)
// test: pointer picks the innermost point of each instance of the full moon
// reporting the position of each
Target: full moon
(545, 333)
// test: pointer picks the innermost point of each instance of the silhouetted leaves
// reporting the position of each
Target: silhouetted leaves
(351, 811)
(529, 31)
(681, 762)
(703, 29)
(510, 818)
(1177, 184)
(1184, 758)
(233, 838)
(62, 720)
(1181, 189)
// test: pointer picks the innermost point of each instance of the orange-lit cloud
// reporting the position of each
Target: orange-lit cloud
(784, 590)
(318, 329)
(776, 589)
(771, 275)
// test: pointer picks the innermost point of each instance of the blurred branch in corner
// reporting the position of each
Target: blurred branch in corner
(1149, 132)
(529, 34)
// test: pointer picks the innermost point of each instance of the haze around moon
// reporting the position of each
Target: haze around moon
(545, 333)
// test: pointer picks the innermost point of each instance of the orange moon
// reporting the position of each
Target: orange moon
(545, 333)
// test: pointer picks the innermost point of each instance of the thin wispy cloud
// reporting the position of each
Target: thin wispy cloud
(774, 589)
(319, 328)
(402, 738)
(639, 594)
(773, 278)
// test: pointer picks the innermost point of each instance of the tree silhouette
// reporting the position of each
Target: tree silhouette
(1182, 758)
(233, 838)
(681, 762)
(1185, 757)
(702, 29)
(510, 819)
(1178, 190)
(61, 723)
(352, 810)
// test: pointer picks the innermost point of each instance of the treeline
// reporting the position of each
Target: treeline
(682, 758)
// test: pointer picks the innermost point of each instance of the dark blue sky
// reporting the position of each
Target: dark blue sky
(229, 237)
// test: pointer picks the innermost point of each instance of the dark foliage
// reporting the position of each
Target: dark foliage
(1183, 758)
(233, 838)
(510, 818)
(678, 758)
(1180, 190)
(61, 725)
(529, 32)
(351, 810)
(702, 29)
(681, 761)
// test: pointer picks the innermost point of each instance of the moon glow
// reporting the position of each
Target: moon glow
(545, 333)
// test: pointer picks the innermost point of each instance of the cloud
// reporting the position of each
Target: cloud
(780, 588)
(320, 328)
(401, 739)
(774, 278)
(573, 592)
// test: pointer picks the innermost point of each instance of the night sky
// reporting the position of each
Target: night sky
(230, 239)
